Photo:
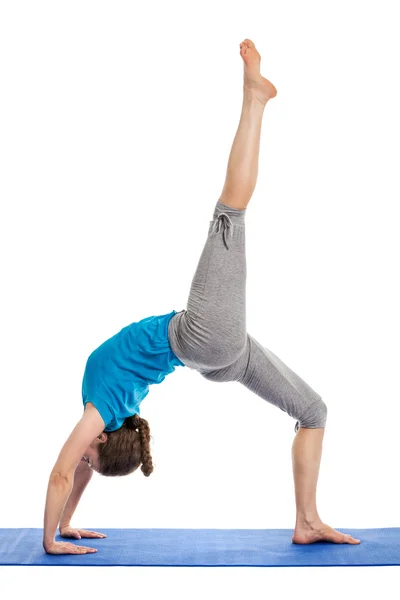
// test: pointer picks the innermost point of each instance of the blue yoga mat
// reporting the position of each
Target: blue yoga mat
(204, 548)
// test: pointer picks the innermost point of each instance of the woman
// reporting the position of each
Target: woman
(210, 337)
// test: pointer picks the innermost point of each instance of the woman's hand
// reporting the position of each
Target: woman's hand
(68, 548)
(70, 532)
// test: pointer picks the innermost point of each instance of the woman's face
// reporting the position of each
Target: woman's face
(89, 460)
(91, 455)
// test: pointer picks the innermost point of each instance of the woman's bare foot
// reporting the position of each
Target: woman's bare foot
(319, 532)
(262, 89)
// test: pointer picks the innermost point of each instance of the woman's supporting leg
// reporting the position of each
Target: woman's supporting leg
(263, 373)
(242, 170)
(306, 459)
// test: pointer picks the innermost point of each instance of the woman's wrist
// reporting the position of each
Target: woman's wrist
(47, 543)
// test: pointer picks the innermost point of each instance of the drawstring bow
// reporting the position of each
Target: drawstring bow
(223, 223)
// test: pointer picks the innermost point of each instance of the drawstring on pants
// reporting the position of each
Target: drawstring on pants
(224, 223)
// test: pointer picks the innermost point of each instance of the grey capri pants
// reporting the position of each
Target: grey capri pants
(210, 336)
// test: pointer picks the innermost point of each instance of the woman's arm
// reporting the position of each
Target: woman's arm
(61, 481)
(83, 475)
(58, 491)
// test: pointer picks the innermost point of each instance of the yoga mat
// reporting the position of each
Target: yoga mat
(204, 548)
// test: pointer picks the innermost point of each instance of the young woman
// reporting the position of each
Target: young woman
(210, 336)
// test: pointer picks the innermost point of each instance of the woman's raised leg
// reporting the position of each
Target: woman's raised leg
(211, 333)
(242, 170)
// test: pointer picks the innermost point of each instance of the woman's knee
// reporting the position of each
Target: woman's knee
(315, 415)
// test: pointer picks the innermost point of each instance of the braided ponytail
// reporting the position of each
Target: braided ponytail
(142, 426)
(126, 449)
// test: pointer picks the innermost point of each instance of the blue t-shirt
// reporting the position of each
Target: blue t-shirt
(118, 373)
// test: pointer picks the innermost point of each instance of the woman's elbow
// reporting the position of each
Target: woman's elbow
(61, 479)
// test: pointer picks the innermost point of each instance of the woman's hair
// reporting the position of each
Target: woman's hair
(126, 449)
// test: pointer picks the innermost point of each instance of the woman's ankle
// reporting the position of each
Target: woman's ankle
(307, 519)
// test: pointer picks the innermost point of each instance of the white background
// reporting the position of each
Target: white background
(117, 120)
